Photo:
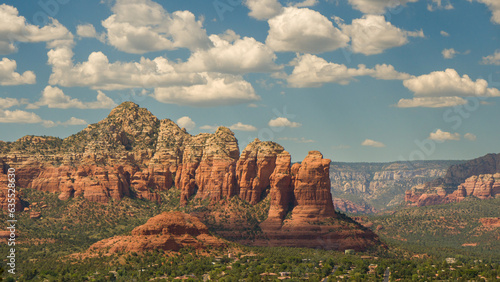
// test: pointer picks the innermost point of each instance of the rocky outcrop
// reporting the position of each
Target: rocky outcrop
(313, 221)
(478, 178)
(209, 166)
(169, 231)
(254, 169)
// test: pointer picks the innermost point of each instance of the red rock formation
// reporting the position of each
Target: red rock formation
(312, 188)
(314, 222)
(254, 168)
(168, 231)
(4, 194)
(281, 192)
(490, 222)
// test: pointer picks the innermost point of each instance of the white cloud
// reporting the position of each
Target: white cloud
(494, 6)
(306, 3)
(297, 140)
(9, 76)
(448, 83)
(220, 89)
(304, 30)
(313, 71)
(377, 6)
(442, 136)
(470, 136)
(74, 121)
(140, 26)
(15, 28)
(54, 97)
(439, 5)
(449, 53)
(6, 103)
(431, 102)
(372, 143)
(98, 73)
(88, 31)
(263, 9)
(243, 127)
(444, 33)
(186, 122)
(232, 54)
(209, 127)
(19, 116)
(371, 34)
(492, 59)
(283, 122)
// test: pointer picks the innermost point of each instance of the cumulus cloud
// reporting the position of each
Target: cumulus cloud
(54, 97)
(18, 116)
(494, 6)
(449, 53)
(470, 136)
(9, 76)
(304, 30)
(263, 9)
(372, 143)
(15, 28)
(371, 34)
(448, 83)
(98, 73)
(6, 103)
(88, 31)
(306, 3)
(492, 59)
(431, 102)
(377, 6)
(186, 122)
(140, 26)
(219, 89)
(442, 136)
(283, 122)
(313, 71)
(232, 54)
(444, 33)
(242, 127)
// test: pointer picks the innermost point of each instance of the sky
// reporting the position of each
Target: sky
(358, 80)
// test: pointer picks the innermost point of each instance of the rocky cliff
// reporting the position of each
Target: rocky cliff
(477, 178)
(133, 154)
(374, 187)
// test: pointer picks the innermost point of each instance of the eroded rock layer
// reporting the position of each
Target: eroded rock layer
(478, 178)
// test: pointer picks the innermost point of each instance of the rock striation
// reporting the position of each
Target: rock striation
(478, 178)
(169, 231)
(131, 153)
(313, 221)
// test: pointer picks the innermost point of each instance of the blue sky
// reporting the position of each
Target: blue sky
(358, 80)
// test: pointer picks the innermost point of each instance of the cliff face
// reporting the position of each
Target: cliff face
(313, 222)
(373, 187)
(478, 178)
(132, 153)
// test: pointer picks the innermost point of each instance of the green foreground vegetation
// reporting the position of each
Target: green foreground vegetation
(47, 246)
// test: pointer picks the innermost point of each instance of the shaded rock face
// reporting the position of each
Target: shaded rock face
(168, 231)
(313, 222)
(351, 207)
(478, 178)
(254, 169)
(208, 166)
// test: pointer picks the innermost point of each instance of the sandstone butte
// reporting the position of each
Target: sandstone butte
(478, 178)
(169, 231)
(131, 153)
